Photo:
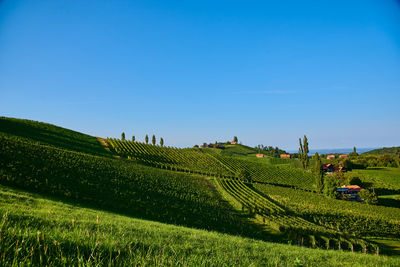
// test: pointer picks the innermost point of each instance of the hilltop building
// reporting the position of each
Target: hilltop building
(343, 156)
(331, 157)
(285, 156)
(260, 155)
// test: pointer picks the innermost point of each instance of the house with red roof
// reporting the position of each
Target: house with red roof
(330, 168)
(331, 157)
(285, 156)
(350, 191)
(343, 156)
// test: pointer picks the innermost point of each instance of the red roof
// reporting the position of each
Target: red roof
(343, 156)
(260, 155)
(352, 187)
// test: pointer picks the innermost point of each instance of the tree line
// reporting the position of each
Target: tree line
(146, 139)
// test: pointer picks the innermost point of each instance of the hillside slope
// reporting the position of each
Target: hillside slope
(385, 150)
(43, 232)
(118, 185)
(51, 135)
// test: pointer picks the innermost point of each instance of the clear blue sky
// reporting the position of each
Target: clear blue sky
(196, 71)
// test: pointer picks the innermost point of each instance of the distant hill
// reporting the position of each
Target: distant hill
(244, 150)
(385, 150)
(336, 150)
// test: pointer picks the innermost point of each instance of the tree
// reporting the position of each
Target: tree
(123, 136)
(319, 173)
(330, 187)
(355, 181)
(235, 139)
(153, 140)
(276, 155)
(354, 153)
(133, 138)
(368, 197)
(146, 139)
(162, 142)
(303, 152)
(347, 164)
(244, 175)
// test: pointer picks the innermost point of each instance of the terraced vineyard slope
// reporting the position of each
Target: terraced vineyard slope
(295, 227)
(188, 160)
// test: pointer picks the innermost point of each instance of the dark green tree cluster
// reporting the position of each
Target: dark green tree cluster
(354, 153)
(303, 152)
(235, 139)
(330, 186)
(368, 197)
(244, 175)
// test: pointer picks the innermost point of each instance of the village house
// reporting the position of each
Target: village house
(285, 156)
(260, 155)
(349, 191)
(233, 143)
(331, 157)
(343, 156)
(329, 168)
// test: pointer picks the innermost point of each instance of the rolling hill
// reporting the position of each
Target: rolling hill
(124, 202)
(384, 150)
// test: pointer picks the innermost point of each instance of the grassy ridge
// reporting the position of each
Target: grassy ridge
(40, 231)
(118, 185)
(52, 135)
(385, 150)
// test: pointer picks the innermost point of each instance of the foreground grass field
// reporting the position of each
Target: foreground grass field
(35, 230)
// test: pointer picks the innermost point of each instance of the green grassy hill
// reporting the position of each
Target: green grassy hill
(118, 185)
(40, 231)
(385, 150)
(51, 135)
(137, 189)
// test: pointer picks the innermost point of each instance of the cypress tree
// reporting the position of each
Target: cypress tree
(146, 139)
(133, 138)
(305, 143)
(161, 141)
(303, 152)
(319, 173)
(235, 139)
(153, 140)
(123, 136)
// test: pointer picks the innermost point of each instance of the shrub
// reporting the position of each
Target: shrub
(368, 197)
(355, 181)
(244, 175)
